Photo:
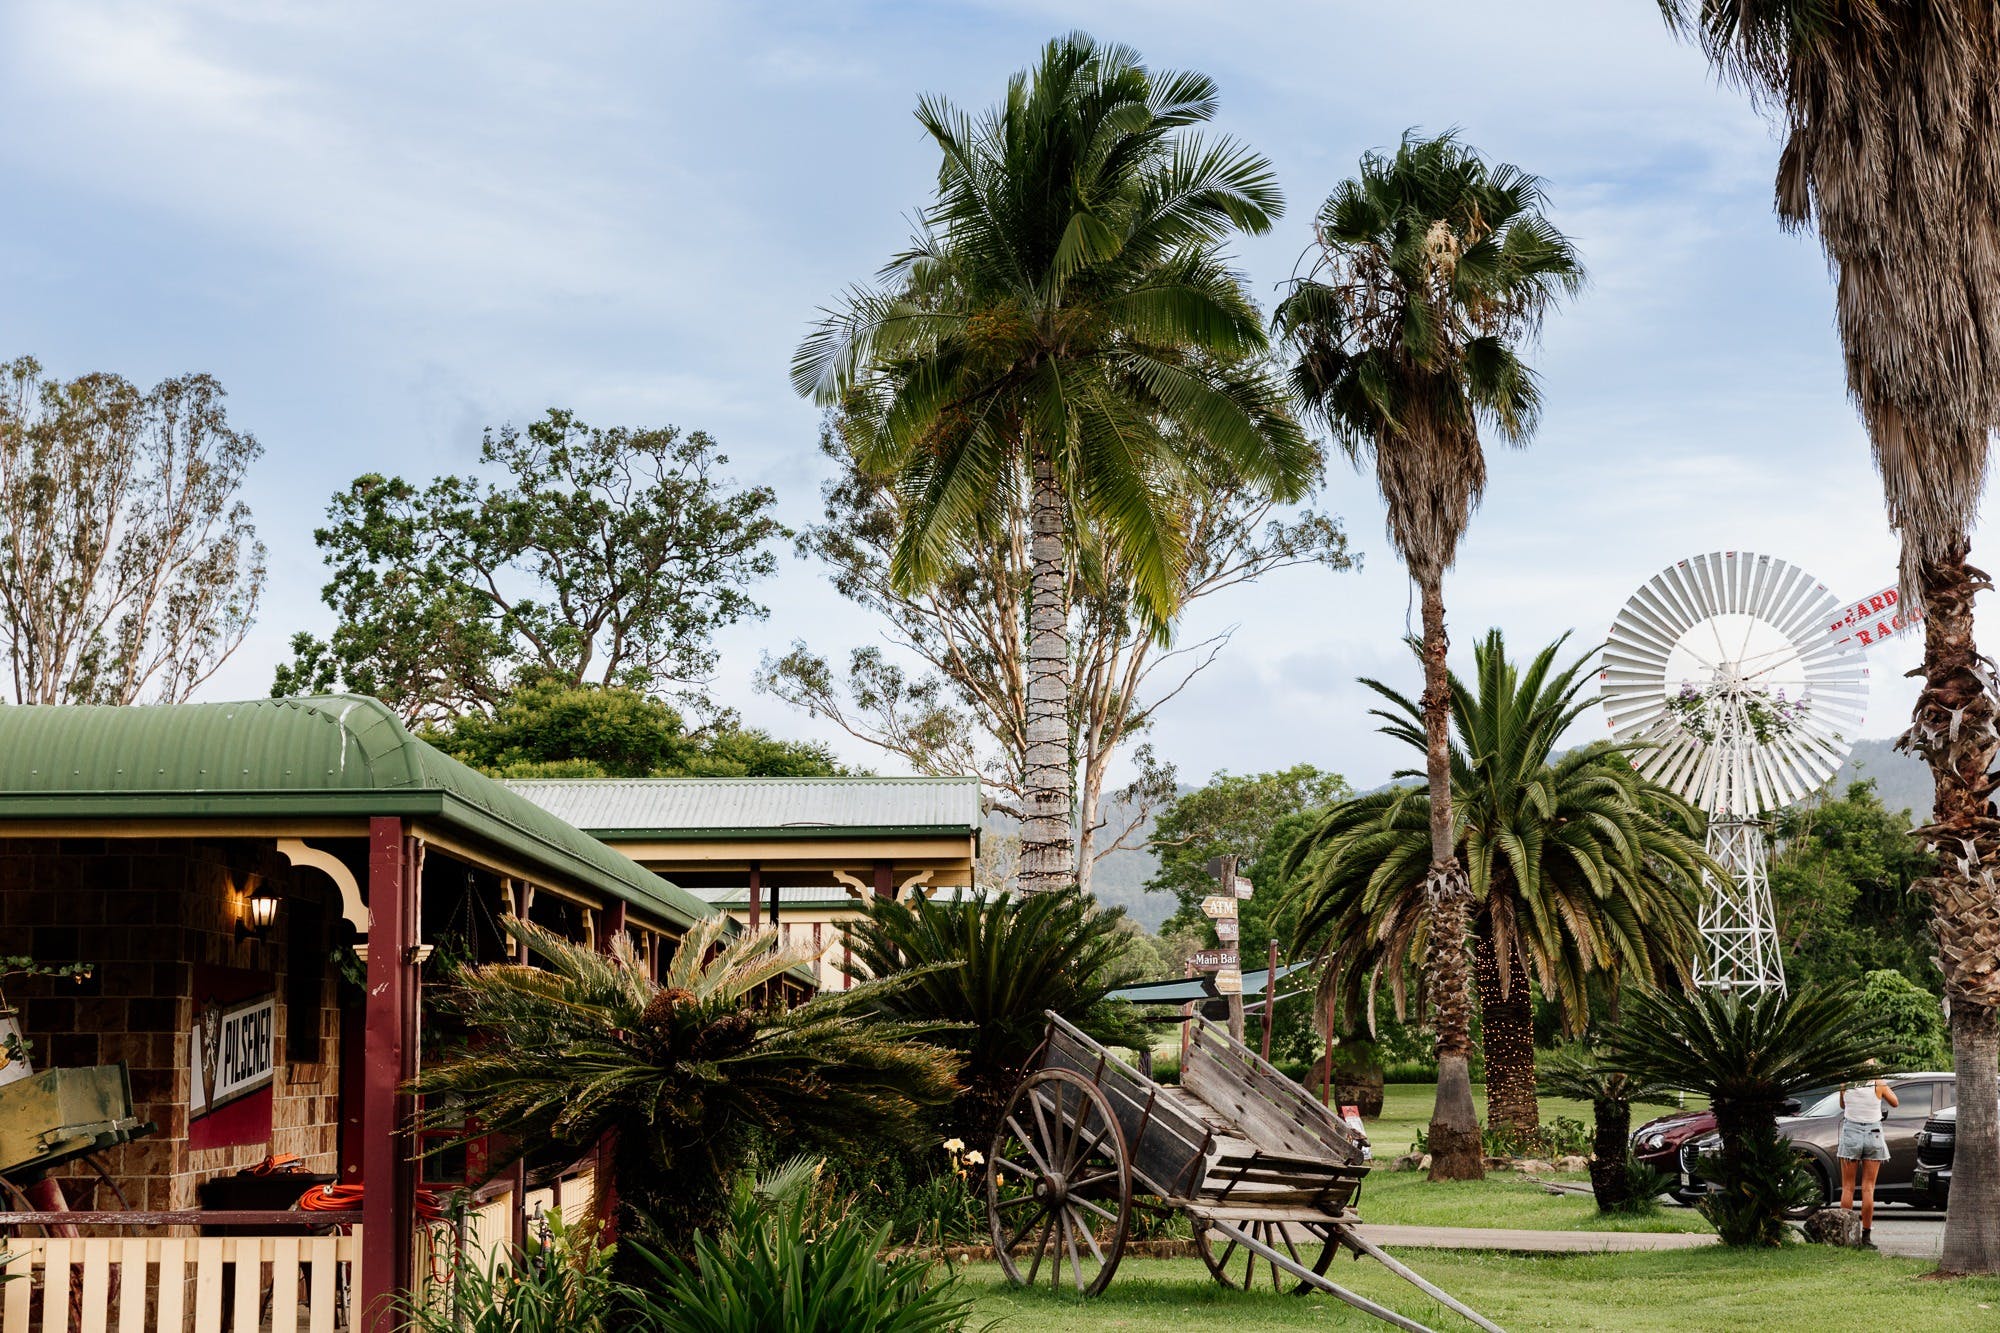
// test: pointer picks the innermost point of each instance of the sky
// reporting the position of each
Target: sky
(386, 226)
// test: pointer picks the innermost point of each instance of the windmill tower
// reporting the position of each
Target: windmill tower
(1723, 666)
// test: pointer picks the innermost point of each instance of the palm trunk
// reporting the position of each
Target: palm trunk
(1508, 1022)
(1048, 850)
(1610, 1184)
(1954, 731)
(1456, 1153)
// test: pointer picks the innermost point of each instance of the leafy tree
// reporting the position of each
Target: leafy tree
(991, 965)
(1891, 114)
(964, 709)
(1912, 1020)
(606, 557)
(1431, 271)
(1747, 1052)
(1234, 815)
(1576, 865)
(682, 1074)
(1576, 1072)
(1064, 336)
(553, 729)
(1844, 874)
(129, 569)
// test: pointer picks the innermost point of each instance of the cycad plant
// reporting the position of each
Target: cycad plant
(1747, 1052)
(1066, 328)
(1432, 273)
(678, 1074)
(989, 965)
(1577, 865)
(1580, 1074)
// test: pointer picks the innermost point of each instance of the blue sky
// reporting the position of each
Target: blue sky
(384, 226)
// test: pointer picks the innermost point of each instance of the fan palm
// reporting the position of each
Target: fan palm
(1891, 110)
(1064, 327)
(991, 965)
(678, 1073)
(1747, 1052)
(1578, 1074)
(1576, 866)
(1433, 269)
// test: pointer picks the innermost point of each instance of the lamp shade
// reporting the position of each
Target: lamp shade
(262, 908)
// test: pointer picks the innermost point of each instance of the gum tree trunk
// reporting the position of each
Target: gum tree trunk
(1048, 849)
(1508, 1024)
(1953, 729)
(1456, 1153)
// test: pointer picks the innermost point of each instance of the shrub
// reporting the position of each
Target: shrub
(1913, 1019)
(795, 1261)
(563, 1284)
(1577, 1073)
(991, 964)
(1643, 1187)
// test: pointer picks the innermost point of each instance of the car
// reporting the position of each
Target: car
(1657, 1144)
(1812, 1126)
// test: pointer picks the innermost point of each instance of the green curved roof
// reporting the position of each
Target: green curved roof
(332, 755)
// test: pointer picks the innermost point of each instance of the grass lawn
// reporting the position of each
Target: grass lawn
(1687, 1291)
(1406, 1109)
(1503, 1199)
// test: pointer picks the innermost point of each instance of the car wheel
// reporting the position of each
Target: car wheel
(1825, 1190)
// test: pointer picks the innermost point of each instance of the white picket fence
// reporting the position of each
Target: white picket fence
(153, 1284)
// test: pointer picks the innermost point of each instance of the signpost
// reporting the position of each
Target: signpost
(1212, 960)
(1229, 981)
(1226, 931)
(1221, 909)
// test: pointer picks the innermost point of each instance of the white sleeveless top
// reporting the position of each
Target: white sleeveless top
(1861, 1106)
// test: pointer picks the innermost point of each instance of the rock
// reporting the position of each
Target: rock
(1834, 1226)
(1572, 1163)
(1407, 1162)
(1424, 1162)
(1534, 1166)
(1499, 1164)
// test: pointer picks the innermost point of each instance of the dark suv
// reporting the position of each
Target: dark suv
(1930, 1186)
(1814, 1131)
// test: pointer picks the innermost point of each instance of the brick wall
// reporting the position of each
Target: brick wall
(144, 913)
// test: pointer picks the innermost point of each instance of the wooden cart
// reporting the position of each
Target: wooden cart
(1268, 1176)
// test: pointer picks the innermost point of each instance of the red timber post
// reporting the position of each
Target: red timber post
(1270, 994)
(885, 879)
(388, 1175)
(517, 1213)
(756, 896)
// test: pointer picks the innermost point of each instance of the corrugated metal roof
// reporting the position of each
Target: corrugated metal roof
(338, 754)
(638, 808)
(814, 895)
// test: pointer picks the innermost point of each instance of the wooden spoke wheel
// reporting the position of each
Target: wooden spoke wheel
(1235, 1264)
(1059, 1184)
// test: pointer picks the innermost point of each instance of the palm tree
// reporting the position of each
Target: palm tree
(1747, 1052)
(677, 1073)
(1064, 327)
(1576, 865)
(1433, 269)
(1892, 118)
(1577, 1073)
(992, 965)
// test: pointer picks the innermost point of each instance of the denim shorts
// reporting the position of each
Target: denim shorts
(1862, 1143)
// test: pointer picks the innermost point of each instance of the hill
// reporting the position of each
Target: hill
(1901, 780)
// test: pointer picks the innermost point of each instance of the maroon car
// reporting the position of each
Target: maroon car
(1657, 1143)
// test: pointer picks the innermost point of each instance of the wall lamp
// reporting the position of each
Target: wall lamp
(260, 911)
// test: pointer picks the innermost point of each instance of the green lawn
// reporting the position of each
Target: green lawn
(1687, 1291)
(1503, 1199)
(1406, 1109)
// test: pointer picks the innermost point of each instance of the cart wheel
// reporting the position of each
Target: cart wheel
(1059, 1183)
(1235, 1265)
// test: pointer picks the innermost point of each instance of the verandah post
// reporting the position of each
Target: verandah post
(388, 1175)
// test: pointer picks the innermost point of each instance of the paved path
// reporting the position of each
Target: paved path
(1522, 1240)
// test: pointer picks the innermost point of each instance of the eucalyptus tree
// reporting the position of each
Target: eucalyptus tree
(1431, 271)
(1064, 327)
(1578, 867)
(1891, 115)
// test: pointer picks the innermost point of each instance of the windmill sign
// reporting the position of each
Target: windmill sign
(1874, 618)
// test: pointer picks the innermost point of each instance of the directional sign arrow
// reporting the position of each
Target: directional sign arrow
(1225, 930)
(1218, 906)
(1244, 888)
(1229, 981)
(1210, 959)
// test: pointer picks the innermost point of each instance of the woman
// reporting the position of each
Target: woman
(1862, 1145)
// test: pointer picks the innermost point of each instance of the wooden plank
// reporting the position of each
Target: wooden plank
(208, 1284)
(1235, 1212)
(14, 1294)
(247, 1252)
(95, 1307)
(285, 1284)
(132, 1285)
(55, 1286)
(172, 1283)
(321, 1297)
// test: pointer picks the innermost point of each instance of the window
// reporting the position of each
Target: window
(1913, 1100)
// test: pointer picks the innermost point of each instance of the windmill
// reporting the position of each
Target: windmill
(1743, 677)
